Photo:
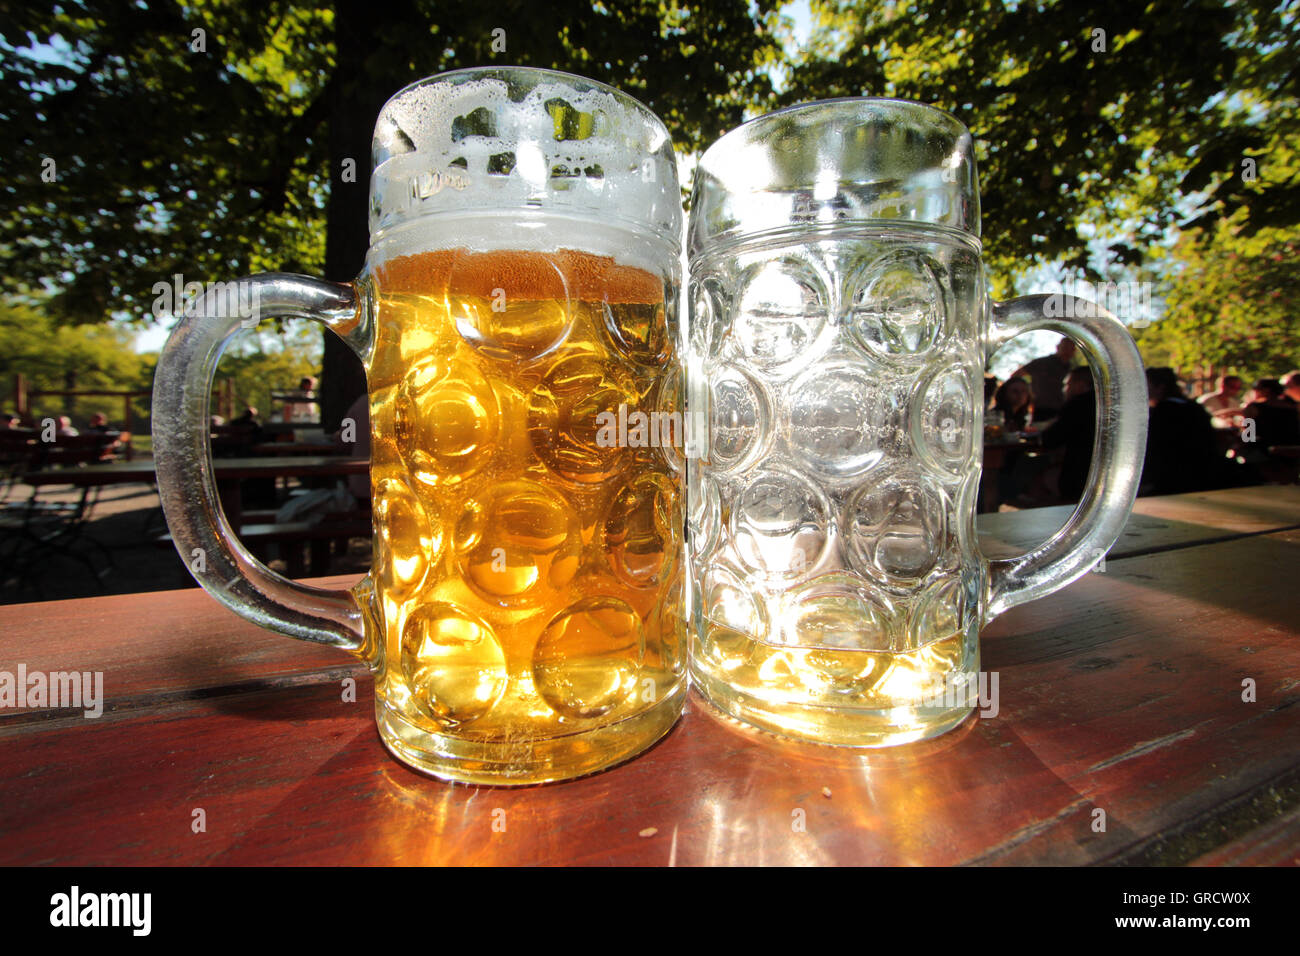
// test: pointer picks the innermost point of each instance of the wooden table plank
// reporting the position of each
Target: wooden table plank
(1121, 693)
(225, 469)
(182, 642)
(1156, 523)
(159, 645)
(1276, 843)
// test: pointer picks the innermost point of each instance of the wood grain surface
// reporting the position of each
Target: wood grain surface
(1122, 693)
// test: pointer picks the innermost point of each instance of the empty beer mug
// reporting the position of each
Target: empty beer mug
(524, 617)
(838, 333)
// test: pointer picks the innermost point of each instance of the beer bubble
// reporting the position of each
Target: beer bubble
(666, 631)
(899, 309)
(640, 329)
(740, 416)
(837, 612)
(780, 524)
(944, 415)
(941, 611)
(896, 529)
(732, 615)
(573, 418)
(639, 530)
(780, 313)
(516, 307)
(839, 417)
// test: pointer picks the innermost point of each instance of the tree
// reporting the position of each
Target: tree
(91, 357)
(258, 362)
(1085, 113)
(1230, 305)
(211, 138)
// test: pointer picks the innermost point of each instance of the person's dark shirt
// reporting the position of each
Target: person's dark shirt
(1074, 428)
(1181, 453)
(1276, 423)
(1046, 381)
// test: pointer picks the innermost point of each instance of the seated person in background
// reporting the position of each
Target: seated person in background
(304, 411)
(1224, 405)
(1291, 388)
(1012, 400)
(1046, 377)
(248, 418)
(65, 427)
(1073, 429)
(1018, 472)
(99, 426)
(9, 421)
(1181, 453)
(1270, 419)
(246, 429)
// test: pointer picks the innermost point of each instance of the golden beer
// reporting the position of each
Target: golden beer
(516, 316)
(527, 580)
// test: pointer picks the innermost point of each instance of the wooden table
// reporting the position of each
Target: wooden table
(294, 448)
(226, 469)
(1121, 693)
(995, 455)
(228, 472)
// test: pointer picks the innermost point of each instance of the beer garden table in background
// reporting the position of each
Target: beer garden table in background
(994, 457)
(1122, 693)
(294, 448)
(228, 472)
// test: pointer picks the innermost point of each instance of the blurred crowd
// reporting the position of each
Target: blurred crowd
(1229, 437)
(1044, 418)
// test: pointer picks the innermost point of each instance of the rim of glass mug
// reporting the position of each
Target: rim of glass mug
(524, 139)
(861, 160)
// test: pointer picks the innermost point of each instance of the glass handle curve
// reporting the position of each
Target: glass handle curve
(1118, 448)
(183, 455)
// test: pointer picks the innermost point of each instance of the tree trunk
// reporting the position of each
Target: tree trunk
(355, 103)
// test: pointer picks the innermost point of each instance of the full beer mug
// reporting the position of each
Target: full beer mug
(524, 615)
(838, 332)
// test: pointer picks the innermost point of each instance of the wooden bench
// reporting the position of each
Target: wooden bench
(87, 448)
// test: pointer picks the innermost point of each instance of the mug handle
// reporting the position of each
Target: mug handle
(1118, 447)
(182, 451)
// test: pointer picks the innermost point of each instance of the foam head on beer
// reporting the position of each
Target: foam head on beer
(524, 143)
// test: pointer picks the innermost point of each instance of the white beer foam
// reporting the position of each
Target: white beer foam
(634, 181)
(522, 231)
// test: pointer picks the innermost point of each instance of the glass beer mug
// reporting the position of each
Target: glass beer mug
(524, 614)
(838, 333)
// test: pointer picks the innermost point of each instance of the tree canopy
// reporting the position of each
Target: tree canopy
(1084, 113)
(211, 138)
